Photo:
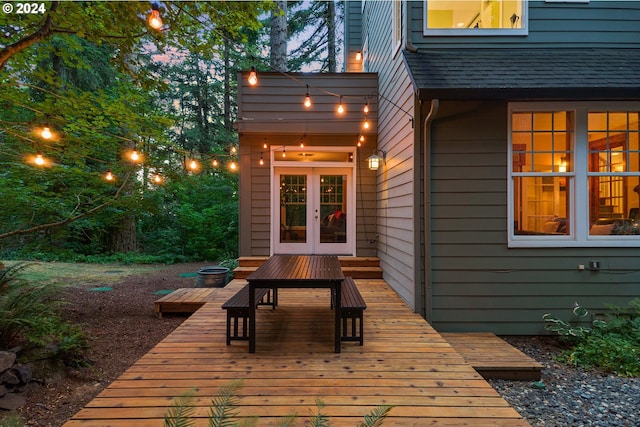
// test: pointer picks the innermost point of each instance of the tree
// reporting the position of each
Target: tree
(279, 36)
(97, 108)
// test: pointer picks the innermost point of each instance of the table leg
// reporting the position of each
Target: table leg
(338, 316)
(252, 317)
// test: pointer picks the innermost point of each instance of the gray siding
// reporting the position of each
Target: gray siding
(478, 284)
(273, 110)
(352, 35)
(597, 23)
(396, 195)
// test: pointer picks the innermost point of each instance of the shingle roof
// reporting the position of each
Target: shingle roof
(526, 73)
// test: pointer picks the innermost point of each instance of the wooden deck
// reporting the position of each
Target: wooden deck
(183, 300)
(492, 357)
(404, 362)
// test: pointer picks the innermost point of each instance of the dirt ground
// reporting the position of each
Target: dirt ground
(121, 326)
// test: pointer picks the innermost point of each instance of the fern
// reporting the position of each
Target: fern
(181, 412)
(319, 419)
(376, 416)
(221, 413)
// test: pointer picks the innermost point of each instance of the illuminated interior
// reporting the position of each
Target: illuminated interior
(469, 14)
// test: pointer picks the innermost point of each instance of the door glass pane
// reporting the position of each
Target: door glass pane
(333, 204)
(293, 209)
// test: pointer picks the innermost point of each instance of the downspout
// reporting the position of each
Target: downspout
(426, 136)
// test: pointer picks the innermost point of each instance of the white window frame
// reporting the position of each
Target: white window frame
(578, 209)
(477, 32)
(397, 26)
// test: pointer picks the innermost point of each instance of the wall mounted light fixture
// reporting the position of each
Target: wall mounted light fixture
(375, 160)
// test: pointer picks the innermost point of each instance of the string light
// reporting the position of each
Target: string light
(360, 140)
(157, 179)
(155, 21)
(340, 106)
(193, 165)
(134, 155)
(46, 133)
(233, 166)
(366, 107)
(307, 99)
(284, 152)
(215, 162)
(253, 77)
(39, 160)
(109, 176)
(265, 145)
(233, 149)
(261, 160)
(366, 124)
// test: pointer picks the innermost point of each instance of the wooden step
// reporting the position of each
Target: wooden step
(493, 357)
(356, 267)
(183, 300)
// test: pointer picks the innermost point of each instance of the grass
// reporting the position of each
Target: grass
(78, 274)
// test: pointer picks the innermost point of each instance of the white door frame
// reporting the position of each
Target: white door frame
(306, 167)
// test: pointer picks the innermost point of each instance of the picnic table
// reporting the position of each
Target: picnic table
(297, 271)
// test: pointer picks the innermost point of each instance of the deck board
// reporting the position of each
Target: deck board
(493, 357)
(404, 362)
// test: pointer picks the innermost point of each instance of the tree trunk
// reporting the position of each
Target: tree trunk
(279, 37)
(228, 123)
(331, 37)
(122, 237)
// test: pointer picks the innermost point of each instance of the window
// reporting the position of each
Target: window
(397, 25)
(475, 17)
(574, 176)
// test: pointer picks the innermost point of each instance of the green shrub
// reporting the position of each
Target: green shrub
(612, 345)
(29, 317)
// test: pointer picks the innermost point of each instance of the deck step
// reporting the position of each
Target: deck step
(356, 267)
(183, 300)
(493, 357)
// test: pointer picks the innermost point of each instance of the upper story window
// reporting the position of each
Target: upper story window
(475, 17)
(574, 175)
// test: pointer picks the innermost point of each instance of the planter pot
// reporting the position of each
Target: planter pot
(212, 277)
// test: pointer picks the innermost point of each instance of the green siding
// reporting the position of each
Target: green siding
(478, 283)
(597, 23)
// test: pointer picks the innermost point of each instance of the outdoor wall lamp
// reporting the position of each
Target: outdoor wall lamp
(375, 160)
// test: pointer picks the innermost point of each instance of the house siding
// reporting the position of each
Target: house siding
(273, 111)
(352, 35)
(478, 283)
(396, 244)
(597, 23)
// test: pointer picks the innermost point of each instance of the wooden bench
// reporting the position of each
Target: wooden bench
(238, 309)
(353, 307)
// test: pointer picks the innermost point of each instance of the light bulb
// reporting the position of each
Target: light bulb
(215, 163)
(193, 165)
(253, 77)
(233, 166)
(366, 123)
(109, 176)
(39, 160)
(301, 144)
(366, 107)
(261, 161)
(135, 156)
(307, 99)
(157, 179)
(46, 133)
(265, 145)
(340, 107)
(234, 150)
(155, 21)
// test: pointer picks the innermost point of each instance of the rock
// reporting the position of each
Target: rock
(23, 373)
(3, 390)
(7, 360)
(10, 378)
(12, 401)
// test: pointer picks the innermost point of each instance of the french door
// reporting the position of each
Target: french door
(312, 211)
